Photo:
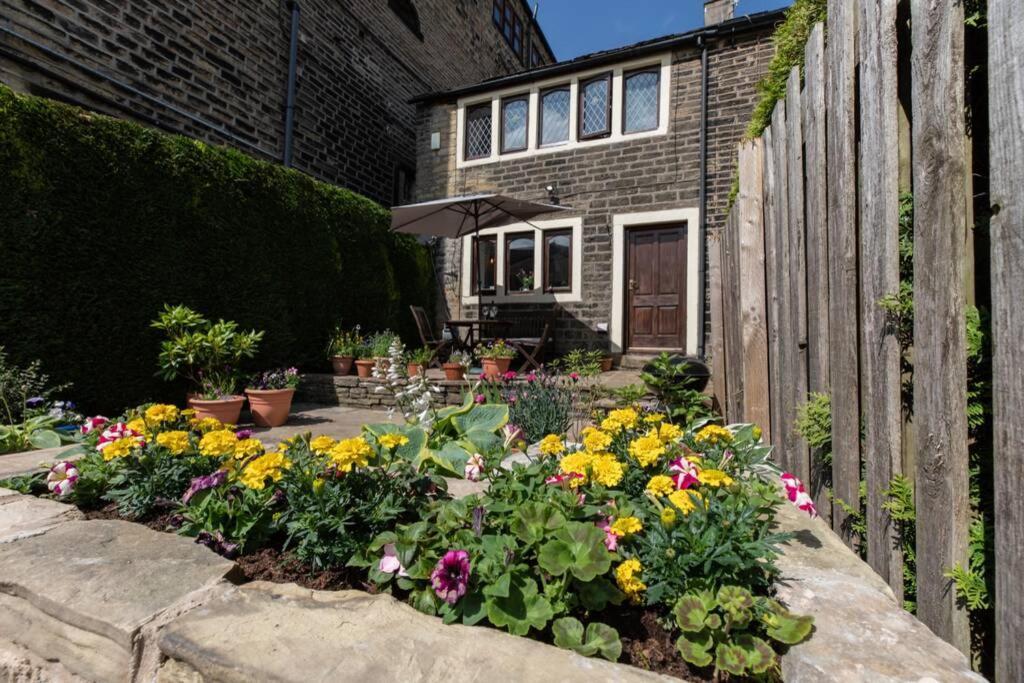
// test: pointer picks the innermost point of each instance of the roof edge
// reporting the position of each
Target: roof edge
(734, 26)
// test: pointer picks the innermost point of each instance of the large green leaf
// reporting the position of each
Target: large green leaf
(450, 459)
(696, 647)
(597, 594)
(412, 451)
(44, 438)
(480, 440)
(487, 418)
(578, 548)
(597, 639)
(533, 521)
(690, 613)
(786, 627)
(738, 604)
(521, 610)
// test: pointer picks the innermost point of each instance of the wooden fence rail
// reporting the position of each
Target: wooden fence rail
(810, 251)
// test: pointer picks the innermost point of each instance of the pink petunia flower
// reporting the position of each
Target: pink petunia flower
(532, 377)
(684, 473)
(509, 376)
(611, 541)
(93, 423)
(474, 467)
(62, 478)
(798, 495)
(563, 479)
(450, 577)
(389, 563)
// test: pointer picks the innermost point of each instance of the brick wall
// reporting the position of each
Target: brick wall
(226, 63)
(646, 174)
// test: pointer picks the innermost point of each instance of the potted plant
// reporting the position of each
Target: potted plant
(495, 357)
(416, 361)
(380, 345)
(270, 396)
(364, 362)
(606, 362)
(343, 349)
(457, 365)
(207, 355)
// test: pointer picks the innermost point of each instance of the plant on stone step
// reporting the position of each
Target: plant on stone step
(675, 390)
(735, 630)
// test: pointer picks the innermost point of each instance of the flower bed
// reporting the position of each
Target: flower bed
(647, 542)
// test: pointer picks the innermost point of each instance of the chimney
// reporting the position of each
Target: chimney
(717, 11)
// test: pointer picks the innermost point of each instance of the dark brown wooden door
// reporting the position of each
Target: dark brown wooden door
(656, 288)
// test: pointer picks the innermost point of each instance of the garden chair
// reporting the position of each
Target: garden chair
(438, 346)
(532, 348)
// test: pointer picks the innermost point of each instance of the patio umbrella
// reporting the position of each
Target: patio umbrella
(459, 216)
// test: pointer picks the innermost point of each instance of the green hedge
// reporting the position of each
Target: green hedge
(103, 221)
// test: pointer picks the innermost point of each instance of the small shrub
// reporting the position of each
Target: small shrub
(814, 424)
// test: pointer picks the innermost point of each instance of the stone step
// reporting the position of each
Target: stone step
(636, 361)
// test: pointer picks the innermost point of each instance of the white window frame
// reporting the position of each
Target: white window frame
(538, 295)
(663, 61)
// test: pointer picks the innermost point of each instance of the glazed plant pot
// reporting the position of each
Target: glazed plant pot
(270, 407)
(342, 364)
(606, 364)
(494, 368)
(364, 368)
(415, 369)
(226, 410)
(454, 371)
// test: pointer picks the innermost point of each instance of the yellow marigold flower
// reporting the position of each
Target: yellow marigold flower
(653, 418)
(552, 445)
(661, 485)
(595, 440)
(577, 463)
(668, 517)
(626, 578)
(606, 470)
(669, 432)
(248, 448)
(714, 478)
(137, 425)
(712, 435)
(685, 500)
(350, 453)
(207, 424)
(175, 442)
(267, 466)
(626, 525)
(161, 413)
(647, 449)
(218, 444)
(392, 440)
(627, 417)
(611, 426)
(321, 444)
(121, 448)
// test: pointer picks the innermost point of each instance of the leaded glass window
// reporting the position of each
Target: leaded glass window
(515, 115)
(595, 107)
(478, 131)
(640, 109)
(554, 116)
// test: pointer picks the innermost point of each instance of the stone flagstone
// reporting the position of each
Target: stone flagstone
(24, 516)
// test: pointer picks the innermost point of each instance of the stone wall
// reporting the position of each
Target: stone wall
(226, 64)
(645, 174)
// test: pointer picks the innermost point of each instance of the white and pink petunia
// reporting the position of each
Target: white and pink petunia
(684, 473)
(389, 563)
(798, 495)
(62, 478)
(117, 432)
(93, 423)
(474, 467)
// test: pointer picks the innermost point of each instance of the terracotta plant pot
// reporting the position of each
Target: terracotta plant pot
(384, 363)
(494, 368)
(270, 407)
(415, 369)
(342, 364)
(606, 364)
(226, 410)
(364, 368)
(454, 371)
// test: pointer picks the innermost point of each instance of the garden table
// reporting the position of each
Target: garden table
(475, 330)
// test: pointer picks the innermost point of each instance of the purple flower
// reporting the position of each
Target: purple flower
(243, 434)
(218, 544)
(204, 482)
(451, 576)
(480, 398)
(35, 402)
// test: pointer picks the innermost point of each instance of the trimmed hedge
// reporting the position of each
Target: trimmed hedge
(103, 221)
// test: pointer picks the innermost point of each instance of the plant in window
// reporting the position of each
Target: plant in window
(525, 280)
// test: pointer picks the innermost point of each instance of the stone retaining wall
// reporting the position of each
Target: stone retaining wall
(106, 600)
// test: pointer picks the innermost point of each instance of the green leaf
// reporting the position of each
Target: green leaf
(44, 438)
(597, 594)
(605, 640)
(786, 627)
(480, 440)
(533, 521)
(577, 547)
(568, 632)
(598, 638)
(759, 655)
(731, 658)
(450, 459)
(500, 588)
(488, 418)
(425, 601)
(521, 610)
(738, 604)
(695, 648)
(473, 608)
(690, 613)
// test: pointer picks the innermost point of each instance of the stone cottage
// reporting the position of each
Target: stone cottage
(220, 71)
(640, 142)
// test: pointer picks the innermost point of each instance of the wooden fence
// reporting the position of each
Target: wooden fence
(811, 247)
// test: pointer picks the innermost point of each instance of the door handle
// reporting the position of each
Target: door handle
(632, 285)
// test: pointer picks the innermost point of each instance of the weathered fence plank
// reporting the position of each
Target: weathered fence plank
(816, 220)
(752, 286)
(878, 194)
(940, 362)
(730, 304)
(783, 275)
(771, 287)
(842, 250)
(800, 456)
(1006, 121)
(716, 344)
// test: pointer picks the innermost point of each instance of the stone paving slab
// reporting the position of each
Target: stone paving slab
(17, 464)
(281, 632)
(860, 632)
(25, 516)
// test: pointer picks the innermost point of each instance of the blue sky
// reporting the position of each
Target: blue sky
(576, 27)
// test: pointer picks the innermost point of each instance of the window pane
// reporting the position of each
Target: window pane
(478, 132)
(555, 117)
(559, 250)
(641, 102)
(508, 22)
(595, 107)
(514, 124)
(486, 264)
(496, 13)
(519, 264)
(517, 37)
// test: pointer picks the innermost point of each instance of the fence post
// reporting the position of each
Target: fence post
(940, 356)
(878, 175)
(752, 286)
(718, 320)
(1006, 119)
(842, 249)
(816, 218)
(783, 275)
(771, 262)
